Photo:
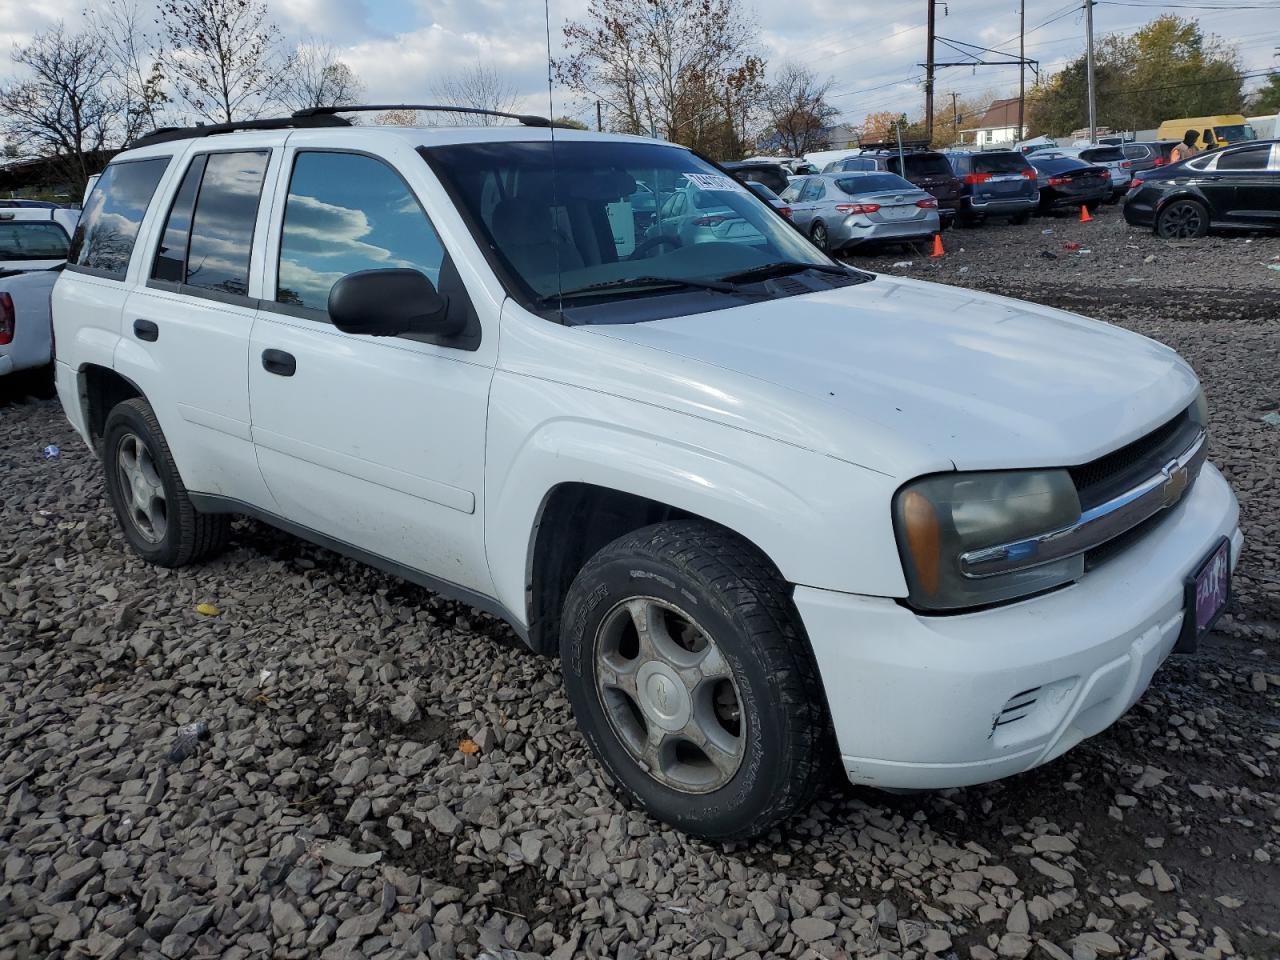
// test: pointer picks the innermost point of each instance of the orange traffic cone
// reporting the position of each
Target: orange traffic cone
(937, 246)
(1084, 214)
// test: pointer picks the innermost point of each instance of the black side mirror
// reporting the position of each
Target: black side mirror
(388, 303)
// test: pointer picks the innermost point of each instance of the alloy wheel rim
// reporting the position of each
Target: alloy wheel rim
(141, 489)
(670, 695)
(1182, 221)
(820, 237)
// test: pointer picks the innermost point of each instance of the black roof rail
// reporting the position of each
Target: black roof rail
(526, 119)
(908, 146)
(167, 134)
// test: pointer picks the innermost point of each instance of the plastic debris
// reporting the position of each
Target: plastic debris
(1273, 419)
(1274, 266)
(963, 270)
(1071, 245)
(1082, 252)
(187, 742)
(51, 452)
(207, 610)
(1048, 255)
(1048, 232)
(901, 264)
(264, 676)
(468, 747)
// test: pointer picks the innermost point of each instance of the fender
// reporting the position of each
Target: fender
(819, 519)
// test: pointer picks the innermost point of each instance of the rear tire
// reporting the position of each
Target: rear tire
(149, 497)
(818, 235)
(1182, 220)
(725, 761)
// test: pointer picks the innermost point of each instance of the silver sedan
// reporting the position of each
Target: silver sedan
(841, 210)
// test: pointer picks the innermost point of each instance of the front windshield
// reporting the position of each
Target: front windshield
(604, 212)
(1236, 132)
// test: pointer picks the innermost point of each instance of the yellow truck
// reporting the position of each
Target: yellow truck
(1214, 131)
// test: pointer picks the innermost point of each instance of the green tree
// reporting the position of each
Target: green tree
(1267, 98)
(1166, 69)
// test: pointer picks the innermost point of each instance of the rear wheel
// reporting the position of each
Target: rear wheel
(818, 234)
(692, 680)
(1183, 220)
(1019, 219)
(149, 497)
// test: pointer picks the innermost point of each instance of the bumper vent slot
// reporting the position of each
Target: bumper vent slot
(1017, 707)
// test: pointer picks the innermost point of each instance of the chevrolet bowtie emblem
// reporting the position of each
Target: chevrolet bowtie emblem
(1175, 485)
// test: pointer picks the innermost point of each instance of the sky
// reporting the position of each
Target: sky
(872, 49)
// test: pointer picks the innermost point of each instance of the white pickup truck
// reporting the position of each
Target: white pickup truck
(769, 510)
(33, 248)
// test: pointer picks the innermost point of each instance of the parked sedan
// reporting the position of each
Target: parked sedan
(769, 197)
(1067, 182)
(689, 216)
(841, 210)
(1233, 187)
(1110, 157)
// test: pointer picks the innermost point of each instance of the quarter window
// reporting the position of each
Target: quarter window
(1253, 158)
(344, 213)
(109, 225)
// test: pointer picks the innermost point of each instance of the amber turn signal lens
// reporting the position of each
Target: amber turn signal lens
(924, 538)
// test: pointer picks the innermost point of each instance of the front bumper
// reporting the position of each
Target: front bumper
(929, 702)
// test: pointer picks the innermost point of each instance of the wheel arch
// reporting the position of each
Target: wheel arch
(101, 389)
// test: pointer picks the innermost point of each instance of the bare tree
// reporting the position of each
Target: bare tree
(317, 78)
(799, 113)
(479, 86)
(66, 109)
(133, 64)
(679, 68)
(224, 57)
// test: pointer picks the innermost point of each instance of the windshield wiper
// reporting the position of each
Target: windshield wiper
(720, 286)
(782, 268)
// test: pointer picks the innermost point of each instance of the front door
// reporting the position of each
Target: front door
(375, 442)
(1254, 175)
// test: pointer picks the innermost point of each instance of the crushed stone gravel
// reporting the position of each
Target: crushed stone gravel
(330, 812)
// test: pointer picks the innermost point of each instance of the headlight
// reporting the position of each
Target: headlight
(939, 518)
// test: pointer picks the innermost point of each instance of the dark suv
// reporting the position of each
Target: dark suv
(996, 183)
(1149, 155)
(927, 169)
(772, 175)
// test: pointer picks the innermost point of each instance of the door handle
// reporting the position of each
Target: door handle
(278, 362)
(146, 330)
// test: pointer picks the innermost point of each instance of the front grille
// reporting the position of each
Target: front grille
(1100, 480)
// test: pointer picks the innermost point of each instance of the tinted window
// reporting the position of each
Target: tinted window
(760, 190)
(222, 226)
(1137, 151)
(171, 254)
(27, 240)
(874, 183)
(923, 165)
(1103, 155)
(346, 213)
(1000, 163)
(770, 176)
(1254, 158)
(1057, 164)
(109, 226)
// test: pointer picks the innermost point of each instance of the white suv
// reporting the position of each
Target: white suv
(769, 510)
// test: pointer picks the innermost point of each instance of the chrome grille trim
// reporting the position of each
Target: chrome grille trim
(1097, 525)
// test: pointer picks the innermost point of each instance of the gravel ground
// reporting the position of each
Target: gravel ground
(388, 774)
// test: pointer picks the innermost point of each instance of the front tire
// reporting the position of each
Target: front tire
(1183, 220)
(692, 680)
(149, 497)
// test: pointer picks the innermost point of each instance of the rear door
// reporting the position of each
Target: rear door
(1250, 176)
(374, 442)
(186, 329)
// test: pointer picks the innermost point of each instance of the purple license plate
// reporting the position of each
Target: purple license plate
(1207, 592)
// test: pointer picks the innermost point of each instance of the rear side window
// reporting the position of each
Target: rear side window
(222, 225)
(1253, 158)
(998, 163)
(348, 212)
(1137, 151)
(924, 165)
(32, 240)
(109, 225)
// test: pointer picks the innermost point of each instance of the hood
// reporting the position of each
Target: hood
(900, 370)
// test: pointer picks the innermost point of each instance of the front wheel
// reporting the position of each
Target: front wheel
(1182, 220)
(149, 497)
(692, 680)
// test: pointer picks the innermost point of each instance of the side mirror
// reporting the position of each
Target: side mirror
(387, 303)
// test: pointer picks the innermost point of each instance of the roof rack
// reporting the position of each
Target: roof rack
(321, 117)
(526, 119)
(908, 146)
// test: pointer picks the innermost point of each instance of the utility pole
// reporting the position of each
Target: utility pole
(1093, 94)
(928, 77)
(1022, 72)
(955, 115)
(599, 117)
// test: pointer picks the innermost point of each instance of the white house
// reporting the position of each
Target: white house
(998, 125)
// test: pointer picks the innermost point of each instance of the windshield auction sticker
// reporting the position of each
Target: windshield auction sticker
(714, 181)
